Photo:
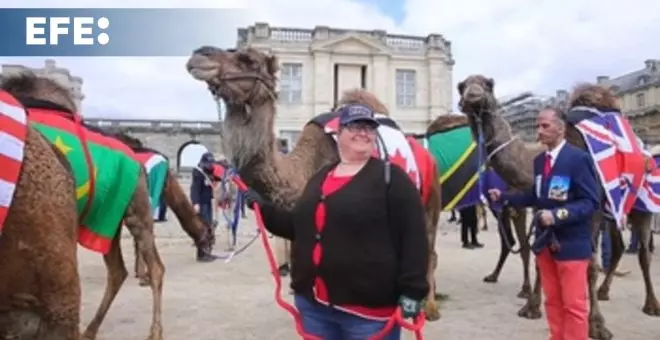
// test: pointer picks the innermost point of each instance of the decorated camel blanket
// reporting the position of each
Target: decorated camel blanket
(156, 167)
(625, 167)
(115, 174)
(393, 144)
(13, 132)
(455, 152)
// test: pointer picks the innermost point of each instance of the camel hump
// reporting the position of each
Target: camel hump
(13, 132)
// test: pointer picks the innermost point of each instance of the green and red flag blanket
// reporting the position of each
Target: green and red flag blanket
(115, 169)
(156, 166)
(13, 131)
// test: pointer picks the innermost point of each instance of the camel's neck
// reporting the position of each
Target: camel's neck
(512, 160)
(176, 199)
(252, 147)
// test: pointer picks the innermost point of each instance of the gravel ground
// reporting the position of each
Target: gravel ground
(234, 301)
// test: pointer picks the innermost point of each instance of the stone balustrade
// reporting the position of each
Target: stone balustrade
(144, 125)
(263, 32)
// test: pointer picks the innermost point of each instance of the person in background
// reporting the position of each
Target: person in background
(201, 195)
(453, 216)
(360, 246)
(469, 228)
(565, 192)
(162, 210)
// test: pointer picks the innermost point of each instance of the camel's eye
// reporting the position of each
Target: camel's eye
(461, 87)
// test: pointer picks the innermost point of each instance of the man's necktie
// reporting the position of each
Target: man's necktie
(547, 166)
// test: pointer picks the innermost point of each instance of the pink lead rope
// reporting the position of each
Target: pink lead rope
(397, 318)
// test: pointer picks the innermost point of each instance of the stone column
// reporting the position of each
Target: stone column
(323, 82)
(380, 78)
(440, 87)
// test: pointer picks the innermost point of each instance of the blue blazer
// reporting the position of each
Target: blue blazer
(571, 194)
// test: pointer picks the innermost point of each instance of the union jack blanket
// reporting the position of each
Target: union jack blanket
(626, 169)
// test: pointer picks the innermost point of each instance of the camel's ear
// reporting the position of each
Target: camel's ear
(461, 88)
(273, 65)
(491, 84)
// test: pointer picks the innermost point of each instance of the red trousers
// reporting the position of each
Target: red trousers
(564, 285)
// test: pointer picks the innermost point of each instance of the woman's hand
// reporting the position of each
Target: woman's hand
(409, 307)
(251, 197)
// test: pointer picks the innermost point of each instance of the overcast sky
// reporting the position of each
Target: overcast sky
(533, 45)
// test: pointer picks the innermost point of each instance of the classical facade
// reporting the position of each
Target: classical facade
(640, 98)
(51, 70)
(522, 114)
(412, 75)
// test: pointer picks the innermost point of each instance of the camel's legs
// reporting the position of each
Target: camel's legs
(139, 222)
(504, 231)
(519, 224)
(597, 328)
(140, 267)
(532, 309)
(60, 317)
(431, 307)
(641, 221)
(617, 253)
(116, 275)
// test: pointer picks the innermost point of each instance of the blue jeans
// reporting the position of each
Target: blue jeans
(605, 246)
(206, 213)
(332, 324)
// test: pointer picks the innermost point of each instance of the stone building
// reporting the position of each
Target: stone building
(51, 70)
(640, 98)
(639, 92)
(411, 74)
(522, 114)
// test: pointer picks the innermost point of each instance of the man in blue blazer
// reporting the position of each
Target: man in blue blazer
(565, 194)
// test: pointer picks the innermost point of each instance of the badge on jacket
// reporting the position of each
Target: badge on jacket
(558, 188)
(562, 214)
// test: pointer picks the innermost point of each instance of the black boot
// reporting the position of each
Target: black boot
(284, 270)
(204, 256)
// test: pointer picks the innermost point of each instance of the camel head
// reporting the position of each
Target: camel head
(27, 85)
(244, 76)
(477, 96)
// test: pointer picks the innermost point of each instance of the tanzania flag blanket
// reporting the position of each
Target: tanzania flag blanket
(456, 154)
(13, 131)
(115, 169)
(625, 167)
(156, 166)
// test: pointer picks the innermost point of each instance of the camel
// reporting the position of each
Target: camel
(39, 285)
(40, 94)
(596, 96)
(517, 216)
(245, 80)
(514, 164)
(176, 199)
